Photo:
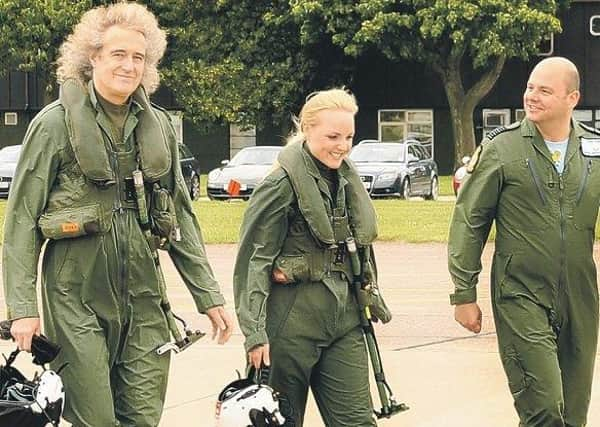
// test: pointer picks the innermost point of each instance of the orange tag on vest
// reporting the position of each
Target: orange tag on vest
(69, 227)
(234, 188)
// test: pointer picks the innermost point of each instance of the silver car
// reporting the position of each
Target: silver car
(238, 177)
(396, 169)
(9, 156)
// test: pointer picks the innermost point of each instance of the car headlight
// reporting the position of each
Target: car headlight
(388, 176)
(213, 175)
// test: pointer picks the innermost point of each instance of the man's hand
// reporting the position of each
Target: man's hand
(23, 330)
(469, 316)
(221, 323)
(259, 355)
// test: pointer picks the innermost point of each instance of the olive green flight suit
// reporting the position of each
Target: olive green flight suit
(544, 290)
(312, 322)
(100, 290)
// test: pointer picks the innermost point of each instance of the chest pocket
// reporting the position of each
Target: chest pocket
(526, 195)
(588, 194)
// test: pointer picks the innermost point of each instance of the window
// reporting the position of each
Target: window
(597, 119)
(519, 114)
(398, 125)
(595, 25)
(11, 119)
(547, 46)
(493, 119)
(584, 116)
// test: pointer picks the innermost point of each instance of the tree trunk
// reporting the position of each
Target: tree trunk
(462, 104)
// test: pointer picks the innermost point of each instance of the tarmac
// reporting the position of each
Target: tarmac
(446, 375)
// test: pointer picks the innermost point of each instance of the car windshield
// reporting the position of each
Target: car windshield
(10, 154)
(377, 153)
(254, 157)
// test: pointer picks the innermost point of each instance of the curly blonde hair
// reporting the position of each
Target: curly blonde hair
(330, 99)
(86, 39)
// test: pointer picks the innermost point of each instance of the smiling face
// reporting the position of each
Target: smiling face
(329, 138)
(118, 66)
(550, 97)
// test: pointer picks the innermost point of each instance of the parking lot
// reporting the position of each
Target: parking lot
(446, 375)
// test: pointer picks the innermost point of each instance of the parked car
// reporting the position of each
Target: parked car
(460, 174)
(9, 156)
(190, 167)
(246, 169)
(396, 169)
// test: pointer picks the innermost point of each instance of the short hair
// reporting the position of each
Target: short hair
(330, 99)
(86, 39)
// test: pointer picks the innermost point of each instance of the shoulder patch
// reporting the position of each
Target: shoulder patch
(589, 128)
(474, 159)
(501, 129)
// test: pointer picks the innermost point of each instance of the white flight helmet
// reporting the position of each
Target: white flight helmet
(243, 403)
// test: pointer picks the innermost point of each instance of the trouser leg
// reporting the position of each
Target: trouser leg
(528, 351)
(577, 343)
(340, 383)
(140, 375)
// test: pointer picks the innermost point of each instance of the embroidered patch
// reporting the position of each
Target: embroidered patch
(590, 147)
(474, 160)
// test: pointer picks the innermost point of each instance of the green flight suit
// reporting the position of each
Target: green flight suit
(312, 322)
(544, 291)
(100, 290)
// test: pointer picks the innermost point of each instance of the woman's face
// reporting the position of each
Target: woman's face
(329, 138)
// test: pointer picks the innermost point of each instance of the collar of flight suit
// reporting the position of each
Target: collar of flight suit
(528, 129)
(82, 112)
(307, 183)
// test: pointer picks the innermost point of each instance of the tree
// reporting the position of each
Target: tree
(241, 61)
(31, 33)
(465, 42)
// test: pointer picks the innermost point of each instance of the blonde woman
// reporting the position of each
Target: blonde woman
(101, 289)
(292, 275)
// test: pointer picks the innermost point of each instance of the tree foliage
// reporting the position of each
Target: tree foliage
(466, 42)
(31, 31)
(238, 61)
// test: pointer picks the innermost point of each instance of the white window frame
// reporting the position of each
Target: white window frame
(551, 51)
(406, 122)
(11, 119)
(592, 32)
(497, 111)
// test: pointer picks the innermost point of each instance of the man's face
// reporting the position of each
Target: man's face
(329, 139)
(119, 65)
(547, 98)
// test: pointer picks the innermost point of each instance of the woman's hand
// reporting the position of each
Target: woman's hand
(259, 355)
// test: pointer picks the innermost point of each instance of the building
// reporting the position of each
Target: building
(397, 100)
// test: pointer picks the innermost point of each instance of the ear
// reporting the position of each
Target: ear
(574, 97)
(92, 58)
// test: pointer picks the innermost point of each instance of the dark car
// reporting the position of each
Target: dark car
(9, 156)
(190, 167)
(396, 169)
(237, 178)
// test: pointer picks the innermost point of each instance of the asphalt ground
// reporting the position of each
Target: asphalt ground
(448, 376)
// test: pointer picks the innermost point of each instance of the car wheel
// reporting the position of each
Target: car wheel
(434, 190)
(406, 192)
(195, 187)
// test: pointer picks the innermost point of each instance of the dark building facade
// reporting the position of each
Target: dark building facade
(397, 100)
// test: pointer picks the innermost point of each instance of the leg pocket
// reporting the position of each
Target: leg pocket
(279, 304)
(517, 380)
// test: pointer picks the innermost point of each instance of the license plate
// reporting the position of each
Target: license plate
(243, 187)
(4, 184)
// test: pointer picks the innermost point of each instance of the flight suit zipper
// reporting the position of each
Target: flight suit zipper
(561, 187)
(536, 181)
(584, 180)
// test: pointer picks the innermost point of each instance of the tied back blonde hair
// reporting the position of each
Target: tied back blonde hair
(331, 99)
(86, 39)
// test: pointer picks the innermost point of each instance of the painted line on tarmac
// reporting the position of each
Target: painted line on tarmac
(187, 402)
(428, 344)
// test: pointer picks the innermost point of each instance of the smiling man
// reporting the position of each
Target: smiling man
(539, 180)
(103, 297)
